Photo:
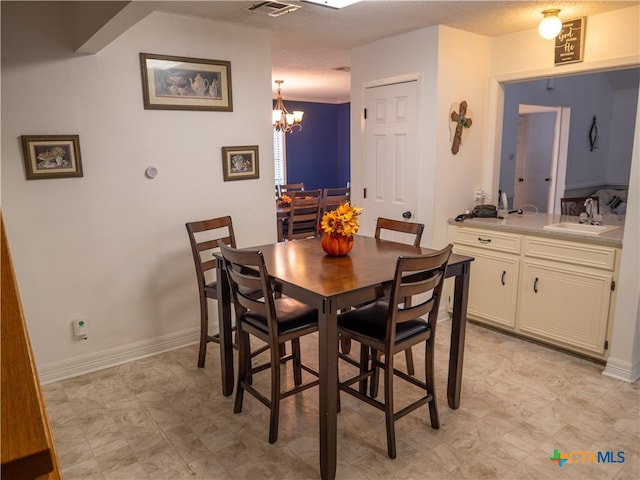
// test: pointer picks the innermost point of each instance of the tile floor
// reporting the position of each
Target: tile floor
(163, 418)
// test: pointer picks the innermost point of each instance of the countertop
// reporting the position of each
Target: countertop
(532, 224)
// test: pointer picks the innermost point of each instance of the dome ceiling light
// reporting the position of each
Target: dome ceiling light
(551, 24)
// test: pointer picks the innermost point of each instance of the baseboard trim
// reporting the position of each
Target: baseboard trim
(622, 370)
(83, 364)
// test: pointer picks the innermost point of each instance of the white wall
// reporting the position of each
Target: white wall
(112, 245)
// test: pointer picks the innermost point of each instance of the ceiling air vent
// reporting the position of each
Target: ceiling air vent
(273, 9)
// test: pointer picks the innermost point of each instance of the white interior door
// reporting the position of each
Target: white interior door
(391, 155)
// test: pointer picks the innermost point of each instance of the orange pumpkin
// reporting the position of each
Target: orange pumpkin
(336, 245)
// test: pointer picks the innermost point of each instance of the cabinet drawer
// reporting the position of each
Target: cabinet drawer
(583, 254)
(488, 239)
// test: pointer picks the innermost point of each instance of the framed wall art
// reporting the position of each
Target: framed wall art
(240, 163)
(181, 83)
(51, 156)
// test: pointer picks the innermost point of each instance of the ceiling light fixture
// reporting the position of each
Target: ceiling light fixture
(551, 24)
(282, 119)
(334, 4)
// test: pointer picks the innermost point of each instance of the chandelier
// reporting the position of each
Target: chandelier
(282, 119)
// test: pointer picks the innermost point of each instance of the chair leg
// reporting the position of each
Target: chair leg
(431, 384)
(297, 370)
(275, 393)
(204, 331)
(364, 366)
(408, 354)
(244, 366)
(345, 344)
(375, 375)
(388, 403)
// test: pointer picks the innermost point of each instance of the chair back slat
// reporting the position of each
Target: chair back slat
(203, 238)
(304, 214)
(389, 224)
(248, 274)
(417, 275)
(332, 198)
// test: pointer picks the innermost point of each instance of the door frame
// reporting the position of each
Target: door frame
(382, 82)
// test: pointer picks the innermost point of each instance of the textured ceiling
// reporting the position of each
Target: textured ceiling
(308, 44)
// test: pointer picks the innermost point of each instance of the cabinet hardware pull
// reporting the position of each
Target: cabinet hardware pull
(502, 279)
(535, 285)
(484, 240)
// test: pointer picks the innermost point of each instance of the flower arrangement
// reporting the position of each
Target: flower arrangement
(341, 221)
(285, 199)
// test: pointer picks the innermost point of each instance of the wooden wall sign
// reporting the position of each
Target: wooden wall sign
(569, 44)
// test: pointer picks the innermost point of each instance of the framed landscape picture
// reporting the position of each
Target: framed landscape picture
(181, 83)
(240, 163)
(51, 156)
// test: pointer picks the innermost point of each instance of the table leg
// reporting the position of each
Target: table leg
(224, 325)
(280, 229)
(458, 329)
(328, 392)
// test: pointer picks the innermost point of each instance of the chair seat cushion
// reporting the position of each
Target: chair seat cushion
(371, 321)
(292, 315)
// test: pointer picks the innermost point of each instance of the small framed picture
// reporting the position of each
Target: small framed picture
(181, 83)
(240, 163)
(51, 156)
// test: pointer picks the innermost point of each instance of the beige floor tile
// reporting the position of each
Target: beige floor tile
(161, 417)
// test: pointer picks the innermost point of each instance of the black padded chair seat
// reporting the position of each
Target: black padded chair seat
(371, 321)
(291, 315)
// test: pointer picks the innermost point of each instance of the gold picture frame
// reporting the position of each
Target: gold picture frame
(240, 163)
(183, 83)
(51, 156)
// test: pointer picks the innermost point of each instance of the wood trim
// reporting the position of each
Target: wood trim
(27, 444)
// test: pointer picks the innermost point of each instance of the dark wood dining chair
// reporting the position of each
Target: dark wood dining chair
(575, 205)
(273, 319)
(203, 237)
(410, 228)
(288, 188)
(333, 197)
(304, 214)
(391, 327)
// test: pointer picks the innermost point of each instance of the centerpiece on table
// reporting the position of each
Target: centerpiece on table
(338, 228)
(284, 200)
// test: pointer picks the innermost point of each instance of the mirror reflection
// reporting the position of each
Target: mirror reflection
(569, 136)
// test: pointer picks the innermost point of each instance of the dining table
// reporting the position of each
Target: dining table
(301, 269)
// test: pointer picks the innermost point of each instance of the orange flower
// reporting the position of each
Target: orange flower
(343, 220)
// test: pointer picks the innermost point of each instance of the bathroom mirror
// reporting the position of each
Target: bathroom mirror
(550, 147)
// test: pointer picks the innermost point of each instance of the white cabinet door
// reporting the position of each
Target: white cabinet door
(567, 305)
(493, 286)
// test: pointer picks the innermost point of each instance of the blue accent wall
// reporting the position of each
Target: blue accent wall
(319, 155)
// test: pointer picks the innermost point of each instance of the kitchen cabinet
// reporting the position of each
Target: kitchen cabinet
(494, 283)
(553, 290)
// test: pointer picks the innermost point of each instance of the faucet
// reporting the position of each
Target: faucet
(588, 205)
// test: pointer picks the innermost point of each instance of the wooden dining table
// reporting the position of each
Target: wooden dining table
(300, 269)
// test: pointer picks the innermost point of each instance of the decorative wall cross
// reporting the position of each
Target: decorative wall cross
(462, 119)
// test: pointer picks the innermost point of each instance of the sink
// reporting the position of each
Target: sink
(580, 228)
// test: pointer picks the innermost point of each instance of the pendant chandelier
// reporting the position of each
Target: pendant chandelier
(283, 120)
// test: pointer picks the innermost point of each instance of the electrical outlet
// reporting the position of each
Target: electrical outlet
(80, 328)
(478, 196)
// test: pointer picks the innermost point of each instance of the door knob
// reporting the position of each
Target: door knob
(406, 214)
(521, 179)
